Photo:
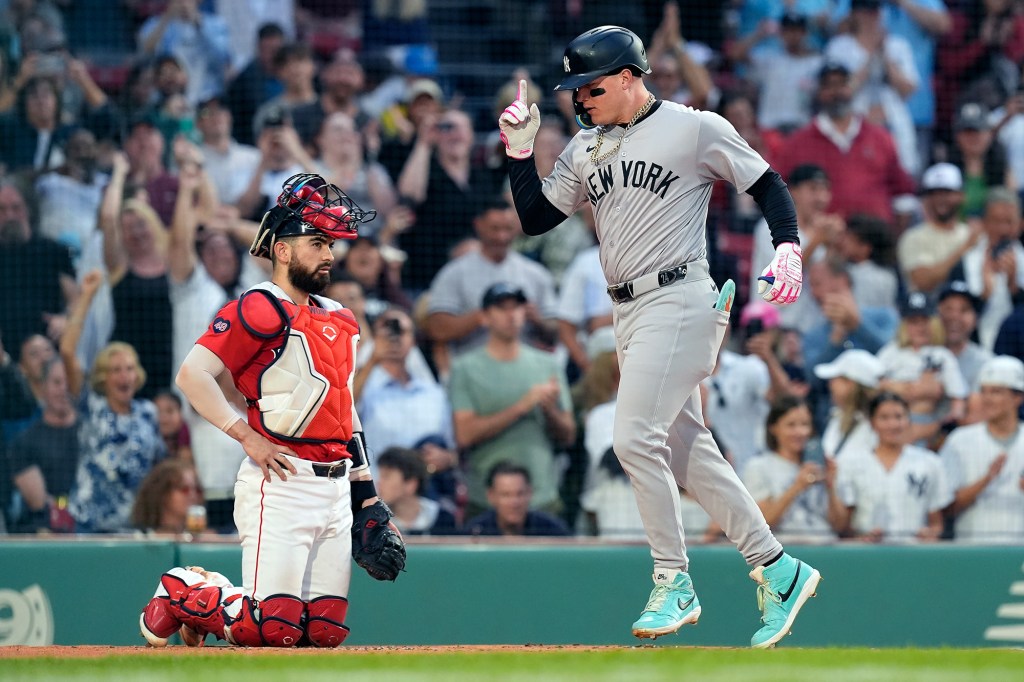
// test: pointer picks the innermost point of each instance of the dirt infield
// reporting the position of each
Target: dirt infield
(95, 651)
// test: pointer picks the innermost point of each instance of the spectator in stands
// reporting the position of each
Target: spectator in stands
(994, 267)
(164, 497)
(510, 402)
(173, 429)
(853, 379)
(401, 123)
(895, 492)
(120, 436)
(554, 249)
(295, 69)
(455, 316)
(144, 148)
(69, 197)
(399, 401)
(929, 251)
(958, 312)
(32, 136)
(510, 498)
(790, 488)
(281, 156)
(867, 247)
(981, 160)
(37, 279)
(256, 83)
(445, 481)
(364, 261)
(1010, 340)
(245, 18)
(923, 371)
(1008, 125)
(884, 76)
(206, 269)
(978, 55)
(135, 254)
(844, 324)
(36, 351)
(760, 324)
(395, 23)
(677, 75)
(401, 476)
(343, 161)
(583, 304)
(738, 390)
(42, 459)
(444, 188)
(341, 84)
(228, 163)
(858, 156)
(985, 461)
(819, 230)
(785, 79)
(197, 38)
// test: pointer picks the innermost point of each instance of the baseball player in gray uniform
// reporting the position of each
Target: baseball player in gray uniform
(647, 167)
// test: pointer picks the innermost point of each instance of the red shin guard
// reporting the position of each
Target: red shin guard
(325, 625)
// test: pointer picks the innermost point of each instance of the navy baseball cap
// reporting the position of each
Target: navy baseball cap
(916, 304)
(806, 172)
(502, 291)
(958, 287)
(794, 20)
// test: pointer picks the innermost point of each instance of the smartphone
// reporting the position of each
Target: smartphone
(393, 327)
(755, 327)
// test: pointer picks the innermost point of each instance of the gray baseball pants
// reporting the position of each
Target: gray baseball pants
(667, 342)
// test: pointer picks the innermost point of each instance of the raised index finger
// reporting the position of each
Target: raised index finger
(521, 95)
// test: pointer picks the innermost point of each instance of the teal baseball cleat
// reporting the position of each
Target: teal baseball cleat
(782, 589)
(672, 605)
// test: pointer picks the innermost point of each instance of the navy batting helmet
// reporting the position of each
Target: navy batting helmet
(601, 51)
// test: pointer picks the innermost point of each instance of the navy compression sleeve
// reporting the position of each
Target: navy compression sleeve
(536, 213)
(776, 205)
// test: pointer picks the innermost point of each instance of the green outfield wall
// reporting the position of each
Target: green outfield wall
(91, 592)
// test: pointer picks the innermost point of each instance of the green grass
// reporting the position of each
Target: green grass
(643, 664)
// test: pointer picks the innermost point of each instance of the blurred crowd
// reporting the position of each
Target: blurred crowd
(141, 141)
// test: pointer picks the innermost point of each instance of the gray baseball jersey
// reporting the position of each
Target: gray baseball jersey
(650, 205)
(651, 201)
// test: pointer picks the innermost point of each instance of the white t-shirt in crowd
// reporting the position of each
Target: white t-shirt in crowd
(767, 477)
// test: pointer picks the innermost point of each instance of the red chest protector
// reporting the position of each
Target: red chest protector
(303, 394)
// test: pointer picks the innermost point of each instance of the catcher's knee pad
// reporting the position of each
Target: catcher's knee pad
(325, 622)
(241, 626)
(281, 620)
(197, 606)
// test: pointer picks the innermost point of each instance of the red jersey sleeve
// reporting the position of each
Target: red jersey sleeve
(242, 329)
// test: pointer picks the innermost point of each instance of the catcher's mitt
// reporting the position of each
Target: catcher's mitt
(376, 544)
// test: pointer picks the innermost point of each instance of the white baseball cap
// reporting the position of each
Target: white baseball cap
(1002, 370)
(601, 340)
(942, 176)
(854, 364)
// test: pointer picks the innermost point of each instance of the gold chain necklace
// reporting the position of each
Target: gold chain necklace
(598, 160)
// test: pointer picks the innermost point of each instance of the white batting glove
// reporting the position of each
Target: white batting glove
(518, 125)
(781, 281)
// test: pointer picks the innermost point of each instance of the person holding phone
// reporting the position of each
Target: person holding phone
(994, 268)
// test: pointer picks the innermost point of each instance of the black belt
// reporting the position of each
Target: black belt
(621, 293)
(331, 469)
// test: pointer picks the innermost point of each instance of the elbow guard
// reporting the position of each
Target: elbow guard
(357, 450)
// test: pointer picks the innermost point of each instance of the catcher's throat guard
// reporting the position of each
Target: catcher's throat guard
(308, 204)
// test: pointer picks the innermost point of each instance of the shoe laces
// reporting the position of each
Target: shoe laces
(765, 595)
(658, 597)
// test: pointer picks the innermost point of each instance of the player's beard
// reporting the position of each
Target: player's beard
(310, 281)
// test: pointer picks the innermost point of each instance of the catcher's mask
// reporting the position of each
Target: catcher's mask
(308, 204)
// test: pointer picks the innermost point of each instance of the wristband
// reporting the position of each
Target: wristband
(361, 492)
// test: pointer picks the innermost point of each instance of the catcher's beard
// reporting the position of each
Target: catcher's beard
(310, 281)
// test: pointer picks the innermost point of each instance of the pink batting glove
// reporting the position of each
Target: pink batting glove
(518, 125)
(781, 281)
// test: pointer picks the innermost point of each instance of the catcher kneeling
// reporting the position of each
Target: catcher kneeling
(305, 503)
